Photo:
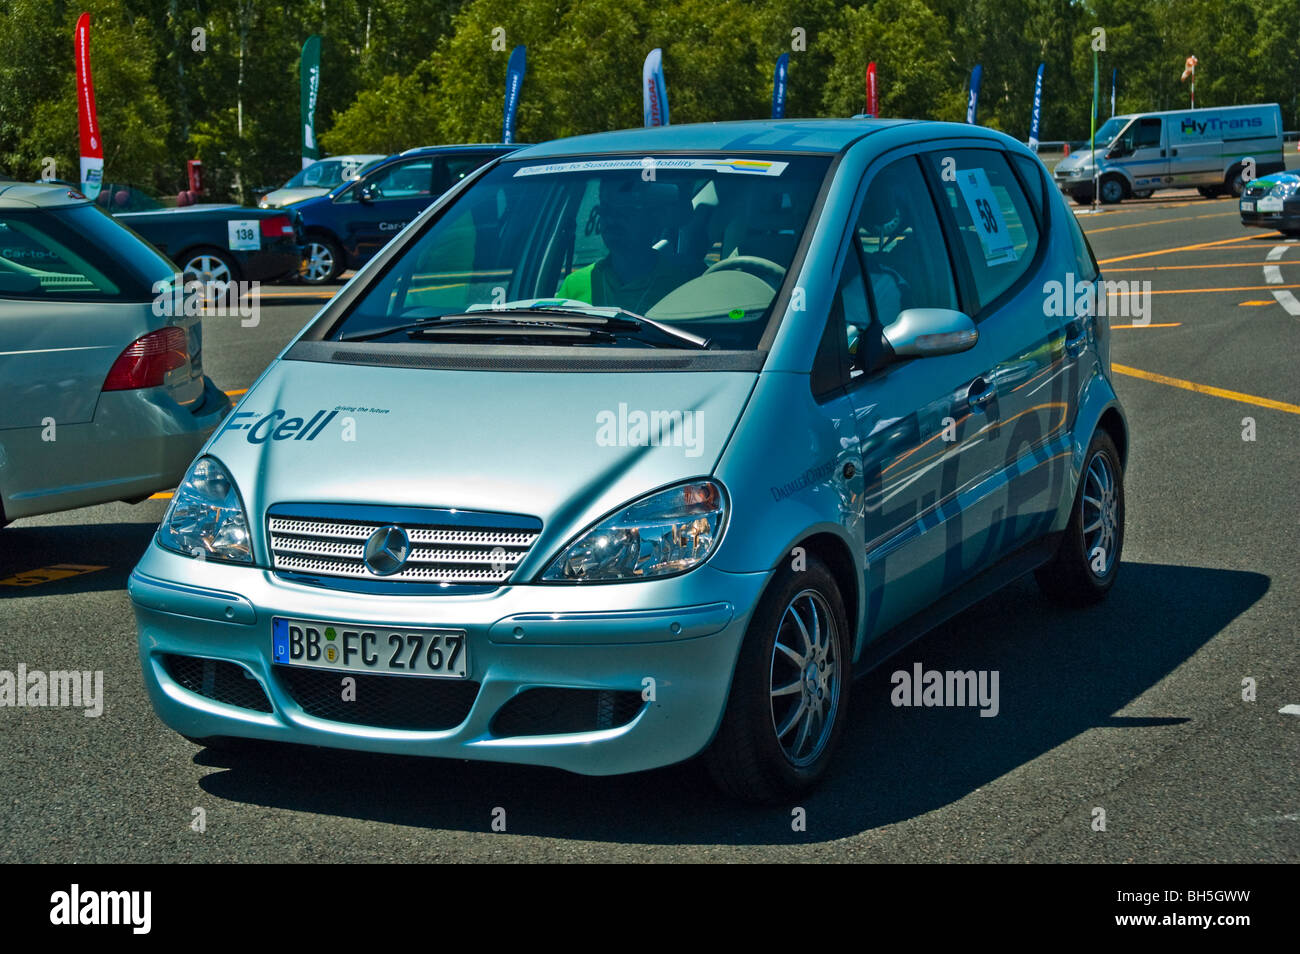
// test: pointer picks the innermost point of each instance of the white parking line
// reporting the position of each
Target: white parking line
(1292, 709)
(1273, 275)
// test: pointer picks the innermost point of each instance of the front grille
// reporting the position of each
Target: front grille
(221, 681)
(446, 546)
(548, 711)
(387, 702)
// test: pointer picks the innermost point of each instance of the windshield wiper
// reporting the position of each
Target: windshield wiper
(604, 323)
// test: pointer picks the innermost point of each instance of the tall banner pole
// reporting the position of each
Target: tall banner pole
(92, 146)
(654, 92)
(515, 70)
(1114, 78)
(873, 99)
(1096, 97)
(972, 104)
(309, 77)
(1038, 108)
(1189, 70)
(779, 76)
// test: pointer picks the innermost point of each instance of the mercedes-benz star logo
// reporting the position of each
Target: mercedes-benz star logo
(386, 550)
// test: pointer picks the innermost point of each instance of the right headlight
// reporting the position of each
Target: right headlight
(668, 532)
(206, 517)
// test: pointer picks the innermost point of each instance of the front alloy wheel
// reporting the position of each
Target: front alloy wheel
(790, 691)
(1087, 562)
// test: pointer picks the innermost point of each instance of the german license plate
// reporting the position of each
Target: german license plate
(388, 650)
(1247, 206)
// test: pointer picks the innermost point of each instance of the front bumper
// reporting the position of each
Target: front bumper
(678, 637)
(1288, 219)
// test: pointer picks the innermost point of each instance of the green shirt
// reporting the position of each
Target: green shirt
(598, 284)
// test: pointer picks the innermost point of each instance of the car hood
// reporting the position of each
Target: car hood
(564, 447)
(282, 197)
(1077, 160)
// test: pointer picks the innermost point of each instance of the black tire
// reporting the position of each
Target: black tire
(1113, 190)
(1234, 183)
(1071, 577)
(747, 759)
(323, 259)
(1210, 192)
(1081, 198)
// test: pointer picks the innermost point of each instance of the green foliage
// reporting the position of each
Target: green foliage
(401, 73)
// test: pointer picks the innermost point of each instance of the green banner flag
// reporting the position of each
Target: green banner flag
(310, 73)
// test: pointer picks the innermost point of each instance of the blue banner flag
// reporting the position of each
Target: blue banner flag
(514, 82)
(1038, 108)
(1114, 76)
(653, 91)
(778, 86)
(972, 104)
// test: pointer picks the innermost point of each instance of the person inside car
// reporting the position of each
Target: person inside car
(639, 269)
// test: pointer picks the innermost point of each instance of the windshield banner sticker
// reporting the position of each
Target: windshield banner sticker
(759, 167)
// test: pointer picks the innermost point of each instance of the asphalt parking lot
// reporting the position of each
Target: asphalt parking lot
(1134, 707)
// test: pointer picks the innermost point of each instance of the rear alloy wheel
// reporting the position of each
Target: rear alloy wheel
(1236, 183)
(1112, 190)
(322, 260)
(1085, 566)
(1209, 192)
(209, 266)
(789, 696)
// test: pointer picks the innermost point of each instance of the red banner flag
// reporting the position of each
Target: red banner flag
(92, 147)
(873, 106)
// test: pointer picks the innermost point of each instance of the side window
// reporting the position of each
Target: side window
(902, 244)
(37, 261)
(404, 180)
(1034, 175)
(988, 209)
(1084, 261)
(1147, 134)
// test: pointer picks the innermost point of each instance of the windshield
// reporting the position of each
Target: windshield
(698, 243)
(1110, 129)
(327, 173)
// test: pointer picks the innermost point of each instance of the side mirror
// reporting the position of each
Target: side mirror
(927, 332)
(369, 192)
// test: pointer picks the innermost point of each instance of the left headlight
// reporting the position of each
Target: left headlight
(1282, 189)
(666, 533)
(206, 516)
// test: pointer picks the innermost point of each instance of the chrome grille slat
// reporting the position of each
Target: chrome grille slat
(456, 551)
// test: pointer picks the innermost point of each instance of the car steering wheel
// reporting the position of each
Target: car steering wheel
(764, 268)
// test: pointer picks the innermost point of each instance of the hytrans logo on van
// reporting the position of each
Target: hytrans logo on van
(278, 426)
(1193, 127)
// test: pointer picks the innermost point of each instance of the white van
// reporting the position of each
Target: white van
(1209, 149)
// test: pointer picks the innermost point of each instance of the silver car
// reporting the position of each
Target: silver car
(102, 391)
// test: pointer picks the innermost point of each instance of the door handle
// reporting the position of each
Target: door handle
(1173, 152)
(1162, 153)
(1076, 337)
(980, 394)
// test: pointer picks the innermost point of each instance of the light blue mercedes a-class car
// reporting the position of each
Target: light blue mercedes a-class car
(640, 445)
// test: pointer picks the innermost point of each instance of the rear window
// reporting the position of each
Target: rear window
(75, 253)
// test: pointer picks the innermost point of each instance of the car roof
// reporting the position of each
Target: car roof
(768, 135)
(462, 147)
(38, 195)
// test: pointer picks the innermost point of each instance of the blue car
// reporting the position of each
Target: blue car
(345, 227)
(641, 445)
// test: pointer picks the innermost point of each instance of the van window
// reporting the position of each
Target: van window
(1140, 134)
(902, 245)
(989, 211)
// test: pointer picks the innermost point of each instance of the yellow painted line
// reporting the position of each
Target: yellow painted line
(48, 574)
(1172, 324)
(1206, 389)
(298, 294)
(1266, 301)
(1187, 248)
(1177, 268)
(1142, 225)
(165, 495)
(237, 392)
(1197, 291)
